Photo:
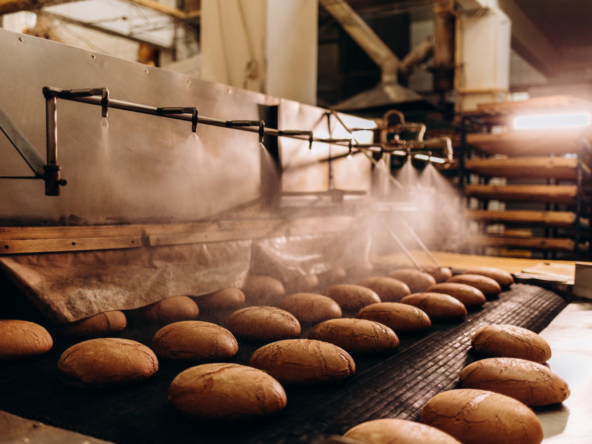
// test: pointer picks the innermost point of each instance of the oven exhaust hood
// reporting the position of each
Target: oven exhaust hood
(388, 93)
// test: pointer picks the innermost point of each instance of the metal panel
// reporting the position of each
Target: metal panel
(133, 167)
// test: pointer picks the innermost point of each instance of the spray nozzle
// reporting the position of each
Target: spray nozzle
(261, 131)
(350, 148)
(181, 110)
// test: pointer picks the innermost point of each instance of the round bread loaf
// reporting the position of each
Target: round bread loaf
(481, 417)
(22, 339)
(106, 362)
(309, 307)
(469, 296)
(303, 283)
(416, 280)
(502, 277)
(387, 289)
(529, 382)
(352, 297)
(103, 324)
(440, 274)
(486, 285)
(356, 336)
(222, 300)
(359, 271)
(194, 341)
(302, 361)
(263, 324)
(509, 341)
(226, 392)
(398, 431)
(177, 308)
(436, 305)
(332, 276)
(260, 289)
(402, 318)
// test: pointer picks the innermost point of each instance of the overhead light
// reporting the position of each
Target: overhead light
(429, 158)
(551, 121)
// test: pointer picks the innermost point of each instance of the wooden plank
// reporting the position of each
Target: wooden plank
(531, 167)
(547, 104)
(531, 193)
(16, 240)
(523, 143)
(562, 219)
(11, 6)
(21, 246)
(14, 429)
(531, 243)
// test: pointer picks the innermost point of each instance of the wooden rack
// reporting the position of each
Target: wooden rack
(560, 159)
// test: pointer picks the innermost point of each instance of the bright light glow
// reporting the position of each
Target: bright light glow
(400, 153)
(431, 159)
(550, 121)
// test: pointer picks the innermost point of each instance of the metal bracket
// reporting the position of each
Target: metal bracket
(178, 110)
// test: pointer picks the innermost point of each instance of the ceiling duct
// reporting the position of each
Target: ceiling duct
(388, 93)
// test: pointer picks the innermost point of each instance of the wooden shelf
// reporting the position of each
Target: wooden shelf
(528, 142)
(528, 243)
(547, 104)
(565, 194)
(527, 167)
(557, 219)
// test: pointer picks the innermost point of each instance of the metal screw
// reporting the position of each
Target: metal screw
(146, 71)
(188, 81)
(21, 39)
(94, 56)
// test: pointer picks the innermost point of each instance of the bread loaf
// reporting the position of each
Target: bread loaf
(469, 296)
(356, 336)
(194, 341)
(352, 297)
(177, 308)
(486, 285)
(263, 289)
(511, 342)
(263, 324)
(302, 361)
(402, 318)
(502, 277)
(387, 289)
(481, 417)
(440, 274)
(222, 300)
(530, 383)
(103, 324)
(226, 392)
(398, 431)
(106, 362)
(416, 280)
(23, 339)
(309, 307)
(436, 305)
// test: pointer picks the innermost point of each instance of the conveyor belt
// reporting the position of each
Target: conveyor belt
(396, 385)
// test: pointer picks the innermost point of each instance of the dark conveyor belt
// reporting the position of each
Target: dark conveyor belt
(396, 385)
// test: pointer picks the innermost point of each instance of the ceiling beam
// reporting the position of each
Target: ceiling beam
(10, 6)
(529, 42)
(173, 12)
(51, 15)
